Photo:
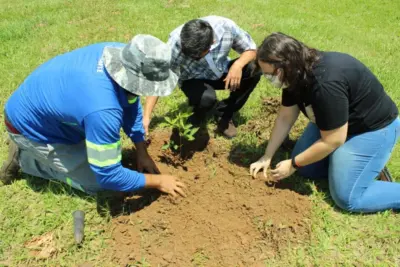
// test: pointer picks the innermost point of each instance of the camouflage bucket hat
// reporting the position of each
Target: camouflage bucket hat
(142, 67)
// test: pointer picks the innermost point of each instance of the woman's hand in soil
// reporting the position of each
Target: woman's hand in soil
(262, 163)
(170, 185)
(283, 169)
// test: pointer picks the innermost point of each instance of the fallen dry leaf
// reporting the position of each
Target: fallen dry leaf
(256, 26)
(42, 247)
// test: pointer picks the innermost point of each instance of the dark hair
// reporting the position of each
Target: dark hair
(295, 58)
(196, 37)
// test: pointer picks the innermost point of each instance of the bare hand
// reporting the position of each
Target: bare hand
(232, 80)
(171, 185)
(145, 163)
(283, 169)
(146, 124)
(262, 163)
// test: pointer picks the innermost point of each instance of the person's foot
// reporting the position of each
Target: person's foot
(10, 168)
(227, 128)
(385, 175)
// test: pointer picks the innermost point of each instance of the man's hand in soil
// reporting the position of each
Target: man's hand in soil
(262, 163)
(166, 184)
(144, 161)
(283, 169)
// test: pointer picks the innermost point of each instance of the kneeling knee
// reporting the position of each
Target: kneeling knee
(208, 101)
(344, 202)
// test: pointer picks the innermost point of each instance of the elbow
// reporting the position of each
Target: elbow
(338, 144)
(105, 181)
(341, 142)
(334, 144)
(106, 177)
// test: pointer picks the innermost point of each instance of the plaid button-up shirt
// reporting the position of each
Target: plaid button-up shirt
(227, 35)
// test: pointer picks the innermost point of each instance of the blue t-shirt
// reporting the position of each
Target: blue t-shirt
(70, 99)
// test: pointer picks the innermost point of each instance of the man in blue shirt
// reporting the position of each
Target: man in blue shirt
(64, 120)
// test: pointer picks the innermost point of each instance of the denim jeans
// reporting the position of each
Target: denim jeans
(353, 167)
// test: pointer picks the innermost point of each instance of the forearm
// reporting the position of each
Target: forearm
(245, 58)
(118, 178)
(152, 181)
(151, 102)
(318, 151)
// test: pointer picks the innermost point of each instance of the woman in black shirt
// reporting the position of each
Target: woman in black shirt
(353, 127)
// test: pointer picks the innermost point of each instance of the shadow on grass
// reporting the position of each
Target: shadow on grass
(239, 119)
(41, 185)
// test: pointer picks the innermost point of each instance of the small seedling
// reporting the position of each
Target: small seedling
(185, 130)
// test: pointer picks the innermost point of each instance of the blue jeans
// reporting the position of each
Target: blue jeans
(353, 167)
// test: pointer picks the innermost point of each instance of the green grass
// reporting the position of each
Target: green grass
(32, 31)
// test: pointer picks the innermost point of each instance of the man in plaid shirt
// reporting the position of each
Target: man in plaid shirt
(200, 51)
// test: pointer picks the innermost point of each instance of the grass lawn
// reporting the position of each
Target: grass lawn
(33, 31)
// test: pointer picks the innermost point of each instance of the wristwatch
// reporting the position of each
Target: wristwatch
(294, 164)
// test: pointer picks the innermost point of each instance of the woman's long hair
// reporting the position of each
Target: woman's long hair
(292, 56)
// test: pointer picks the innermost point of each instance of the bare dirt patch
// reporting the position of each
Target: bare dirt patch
(228, 219)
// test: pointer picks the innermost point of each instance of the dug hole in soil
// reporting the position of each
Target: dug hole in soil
(228, 218)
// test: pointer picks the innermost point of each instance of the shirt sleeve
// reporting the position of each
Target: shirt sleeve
(174, 43)
(242, 40)
(288, 98)
(330, 104)
(133, 122)
(103, 147)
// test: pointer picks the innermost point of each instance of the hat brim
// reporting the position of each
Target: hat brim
(133, 82)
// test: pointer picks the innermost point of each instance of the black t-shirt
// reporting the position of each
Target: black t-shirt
(343, 90)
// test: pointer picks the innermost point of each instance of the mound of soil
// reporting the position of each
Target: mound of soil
(228, 218)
